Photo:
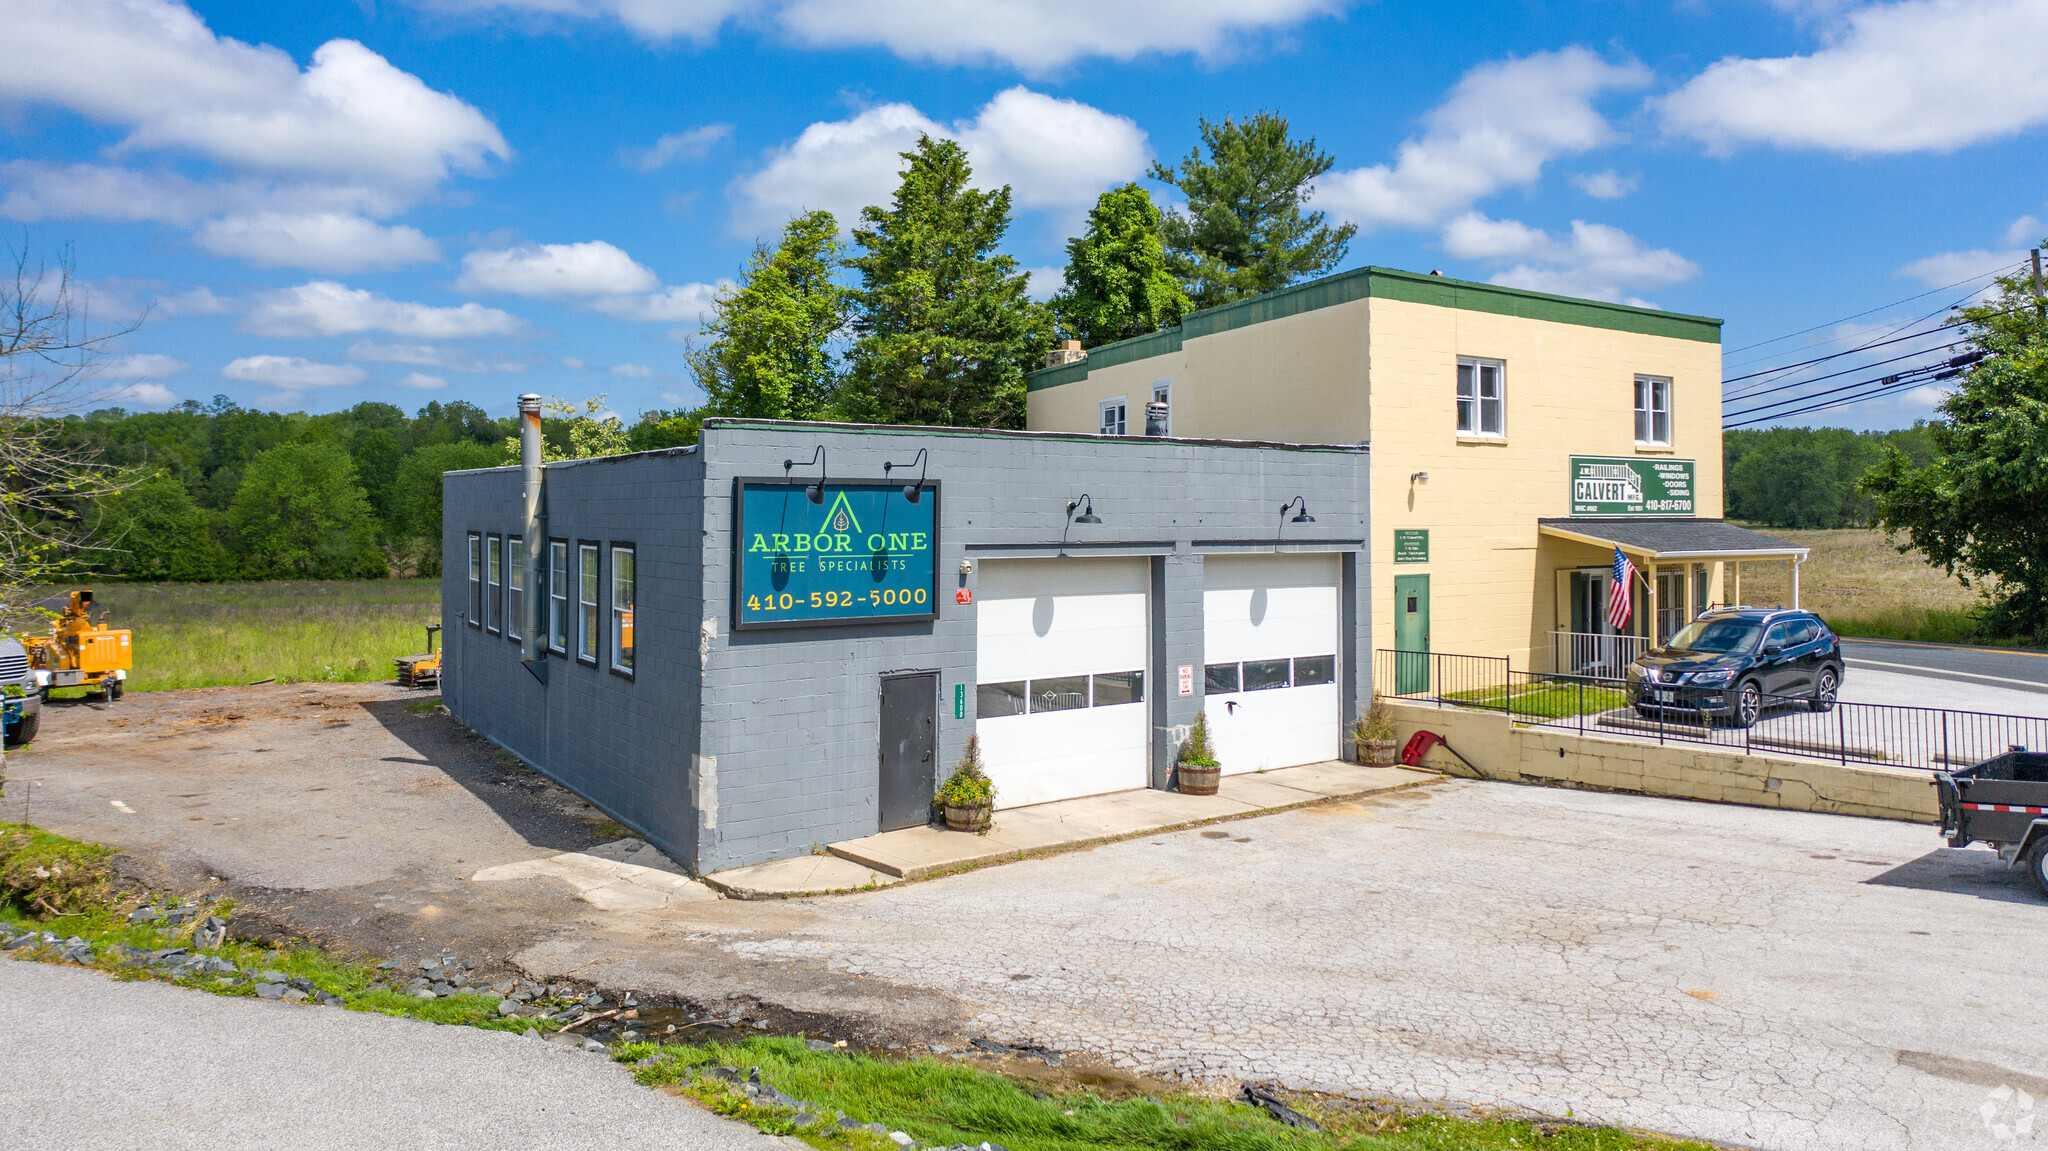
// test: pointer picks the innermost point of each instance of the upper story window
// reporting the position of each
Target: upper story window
(515, 585)
(1482, 398)
(622, 608)
(1113, 421)
(1653, 411)
(476, 580)
(558, 596)
(494, 581)
(586, 602)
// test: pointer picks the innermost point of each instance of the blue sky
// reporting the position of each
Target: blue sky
(403, 200)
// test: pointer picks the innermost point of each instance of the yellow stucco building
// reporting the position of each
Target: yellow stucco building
(1517, 439)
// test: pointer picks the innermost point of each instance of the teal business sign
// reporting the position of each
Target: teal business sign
(863, 554)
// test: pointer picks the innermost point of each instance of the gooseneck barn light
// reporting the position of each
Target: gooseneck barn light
(1087, 506)
(922, 461)
(814, 492)
(1300, 517)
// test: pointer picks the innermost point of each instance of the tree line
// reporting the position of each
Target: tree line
(1810, 477)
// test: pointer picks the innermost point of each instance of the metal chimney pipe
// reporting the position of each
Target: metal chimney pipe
(533, 646)
(1155, 418)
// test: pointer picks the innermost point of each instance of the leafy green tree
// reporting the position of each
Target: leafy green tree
(1979, 507)
(1789, 485)
(152, 530)
(944, 329)
(301, 514)
(416, 496)
(1118, 284)
(769, 351)
(1243, 231)
(666, 429)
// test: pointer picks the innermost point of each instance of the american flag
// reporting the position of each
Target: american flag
(1620, 593)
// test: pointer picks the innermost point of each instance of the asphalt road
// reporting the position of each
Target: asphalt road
(89, 1062)
(1985, 666)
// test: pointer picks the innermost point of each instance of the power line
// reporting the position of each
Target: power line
(1833, 356)
(1879, 308)
(1845, 371)
(1940, 369)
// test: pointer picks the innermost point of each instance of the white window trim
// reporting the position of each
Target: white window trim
(477, 604)
(1478, 410)
(1637, 388)
(588, 624)
(494, 589)
(515, 570)
(558, 598)
(613, 613)
(1103, 406)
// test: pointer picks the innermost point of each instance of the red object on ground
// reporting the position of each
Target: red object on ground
(1418, 746)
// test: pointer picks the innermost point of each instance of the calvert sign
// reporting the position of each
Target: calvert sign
(1631, 486)
(866, 554)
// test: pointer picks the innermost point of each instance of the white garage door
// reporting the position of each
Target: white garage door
(1061, 700)
(1270, 646)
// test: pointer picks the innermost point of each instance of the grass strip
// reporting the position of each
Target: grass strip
(944, 1102)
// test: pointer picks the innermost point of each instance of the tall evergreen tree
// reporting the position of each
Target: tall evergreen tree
(1244, 231)
(769, 353)
(1118, 284)
(944, 330)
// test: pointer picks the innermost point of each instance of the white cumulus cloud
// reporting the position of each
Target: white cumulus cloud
(1054, 153)
(632, 371)
(690, 145)
(1922, 75)
(1030, 35)
(147, 394)
(304, 162)
(1608, 185)
(556, 271)
(325, 308)
(142, 366)
(324, 242)
(290, 373)
(458, 359)
(1596, 261)
(420, 381)
(1495, 130)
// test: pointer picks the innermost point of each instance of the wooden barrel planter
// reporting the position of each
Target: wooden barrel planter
(1198, 780)
(1378, 752)
(969, 817)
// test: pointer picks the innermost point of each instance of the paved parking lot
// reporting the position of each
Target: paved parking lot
(1763, 978)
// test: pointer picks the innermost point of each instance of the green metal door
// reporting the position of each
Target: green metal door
(1411, 634)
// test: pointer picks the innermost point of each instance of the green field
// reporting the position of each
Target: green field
(213, 634)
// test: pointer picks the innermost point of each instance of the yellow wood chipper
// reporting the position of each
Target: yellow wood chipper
(81, 653)
(421, 670)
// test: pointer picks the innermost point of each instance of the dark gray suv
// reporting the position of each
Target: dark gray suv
(1732, 663)
(21, 697)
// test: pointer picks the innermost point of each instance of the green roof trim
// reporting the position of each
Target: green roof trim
(1386, 284)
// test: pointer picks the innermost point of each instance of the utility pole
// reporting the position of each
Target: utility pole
(2040, 305)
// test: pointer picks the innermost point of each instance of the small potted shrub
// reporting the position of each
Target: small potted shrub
(1374, 734)
(968, 795)
(1197, 769)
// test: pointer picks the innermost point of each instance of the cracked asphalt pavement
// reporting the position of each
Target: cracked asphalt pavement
(1754, 977)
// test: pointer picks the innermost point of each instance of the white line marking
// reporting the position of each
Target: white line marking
(1936, 672)
(119, 806)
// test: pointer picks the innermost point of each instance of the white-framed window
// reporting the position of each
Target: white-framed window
(1113, 421)
(1482, 397)
(1653, 411)
(476, 580)
(558, 596)
(1162, 393)
(515, 585)
(622, 608)
(494, 581)
(586, 602)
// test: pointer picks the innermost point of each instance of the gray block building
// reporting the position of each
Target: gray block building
(829, 611)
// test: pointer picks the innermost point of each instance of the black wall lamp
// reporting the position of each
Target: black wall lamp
(1300, 517)
(1087, 506)
(814, 492)
(922, 461)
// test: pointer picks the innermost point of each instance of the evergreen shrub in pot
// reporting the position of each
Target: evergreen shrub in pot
(1374, 734)
(1196, 768)
(968, 795)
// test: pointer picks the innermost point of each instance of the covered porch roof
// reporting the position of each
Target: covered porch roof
(1673, 538)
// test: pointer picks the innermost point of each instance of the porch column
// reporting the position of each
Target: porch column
(1738, 582)
(1795, 582)
(1651, 567)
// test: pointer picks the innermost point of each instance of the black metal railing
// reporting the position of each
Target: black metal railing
(1884, 734)
(1442, 678)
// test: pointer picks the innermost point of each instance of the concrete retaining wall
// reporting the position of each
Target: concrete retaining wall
(1506, 751)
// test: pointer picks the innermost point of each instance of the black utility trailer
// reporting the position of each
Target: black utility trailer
(2002, 802)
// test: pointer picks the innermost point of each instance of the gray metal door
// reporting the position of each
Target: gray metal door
(909, 744)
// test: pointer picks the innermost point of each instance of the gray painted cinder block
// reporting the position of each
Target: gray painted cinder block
(727, 749)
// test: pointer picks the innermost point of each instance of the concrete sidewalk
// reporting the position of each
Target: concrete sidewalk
(917, 852)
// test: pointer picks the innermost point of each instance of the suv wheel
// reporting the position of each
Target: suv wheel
(1825, 686)
(1749, 704)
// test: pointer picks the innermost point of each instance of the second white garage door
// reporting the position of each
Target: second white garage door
(1060, 664)
(1270, 627)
